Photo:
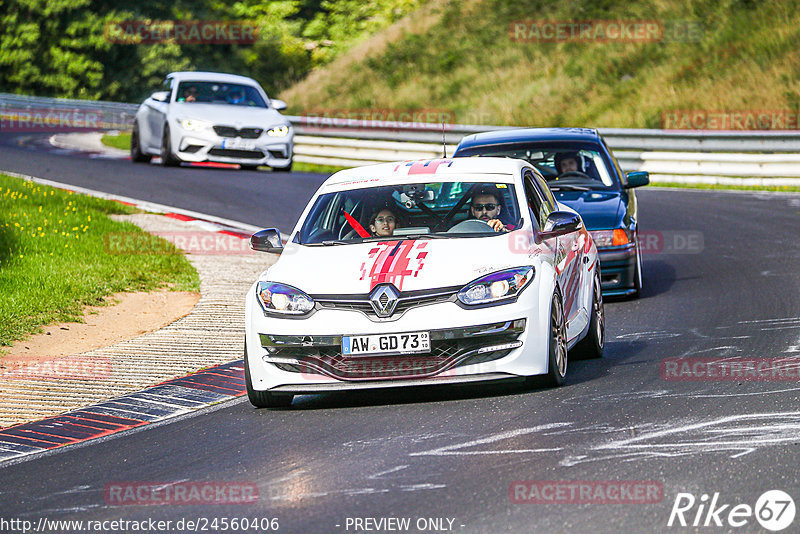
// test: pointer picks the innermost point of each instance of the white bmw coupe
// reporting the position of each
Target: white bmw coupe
(443, 271)
(207, 116)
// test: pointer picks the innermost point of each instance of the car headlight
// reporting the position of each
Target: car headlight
(283, 299)
(610, 238)
(496, 287)
(194, 125)
(279, 131)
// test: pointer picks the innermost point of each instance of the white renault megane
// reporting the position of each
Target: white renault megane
(208, 116)
(424, 272)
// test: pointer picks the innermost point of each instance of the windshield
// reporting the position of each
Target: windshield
(558, 163)
(233, 94)
(411, 211)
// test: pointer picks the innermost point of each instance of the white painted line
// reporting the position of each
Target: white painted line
(451, 450)
(392, 470)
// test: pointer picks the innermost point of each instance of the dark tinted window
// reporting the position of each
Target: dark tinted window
(220, 93)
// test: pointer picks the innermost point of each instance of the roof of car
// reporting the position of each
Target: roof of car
(521, 135)
(426, 170)
(211, 77)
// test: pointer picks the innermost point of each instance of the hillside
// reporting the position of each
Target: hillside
(460, 57)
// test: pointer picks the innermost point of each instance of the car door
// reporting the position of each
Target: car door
(568, 254)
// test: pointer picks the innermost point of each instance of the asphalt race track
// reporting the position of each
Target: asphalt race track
(732, 292)
(254, 197)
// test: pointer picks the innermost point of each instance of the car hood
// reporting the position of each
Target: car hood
(238, 116)
(598, 209)
(410, 265)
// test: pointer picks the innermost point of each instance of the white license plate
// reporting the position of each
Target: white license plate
(238, 144)
(406, 343)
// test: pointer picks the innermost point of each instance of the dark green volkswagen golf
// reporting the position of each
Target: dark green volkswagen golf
(583, 174)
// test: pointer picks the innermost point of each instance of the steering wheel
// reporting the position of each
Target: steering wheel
(470, 226)
(574, 174)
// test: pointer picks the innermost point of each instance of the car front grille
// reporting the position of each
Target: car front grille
(232, 153)
(450, 348)
(244, 133)
(406, 301)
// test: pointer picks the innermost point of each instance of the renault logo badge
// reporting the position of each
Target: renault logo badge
(384, 299)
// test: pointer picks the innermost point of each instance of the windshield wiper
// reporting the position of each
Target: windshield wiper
(422, 236)
(569, 187)
(329, 243)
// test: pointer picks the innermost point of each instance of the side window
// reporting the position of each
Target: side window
(621, 175)
(536, 203)
(550, 200)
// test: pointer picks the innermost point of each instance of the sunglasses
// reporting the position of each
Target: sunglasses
(481, 207)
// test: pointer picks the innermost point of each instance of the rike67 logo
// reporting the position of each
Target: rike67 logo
(774, 510)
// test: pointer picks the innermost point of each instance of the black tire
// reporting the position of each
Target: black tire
(557, 348)
(262, 399)
(168, 159)
(287, 168)
(592, 345)
(137, 156)
(558, 356)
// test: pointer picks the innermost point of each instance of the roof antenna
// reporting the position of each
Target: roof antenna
(444, 146)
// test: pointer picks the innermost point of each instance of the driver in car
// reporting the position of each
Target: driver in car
(190, 94)
(485, 206)
(568, 162)
(236, 97)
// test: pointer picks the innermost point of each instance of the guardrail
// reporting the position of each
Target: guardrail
(742, 157)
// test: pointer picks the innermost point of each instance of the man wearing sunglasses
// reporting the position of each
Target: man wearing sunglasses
(485, 206)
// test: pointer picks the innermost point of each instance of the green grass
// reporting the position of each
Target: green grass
(56, 258)
(320, 169)
(121, 140)
(774, 188)
(461, 57)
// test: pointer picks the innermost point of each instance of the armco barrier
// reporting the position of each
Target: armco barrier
(691, 156)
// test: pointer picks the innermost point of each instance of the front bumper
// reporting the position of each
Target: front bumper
(450, 348)
(618, 270)
(206, 145)
(293, 355)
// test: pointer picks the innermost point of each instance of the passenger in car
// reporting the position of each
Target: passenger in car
(382, 223)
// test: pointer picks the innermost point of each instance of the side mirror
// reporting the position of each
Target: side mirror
(160, 96)
(268, 240)
(637, 179)
(560, 223)
(279, 105)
